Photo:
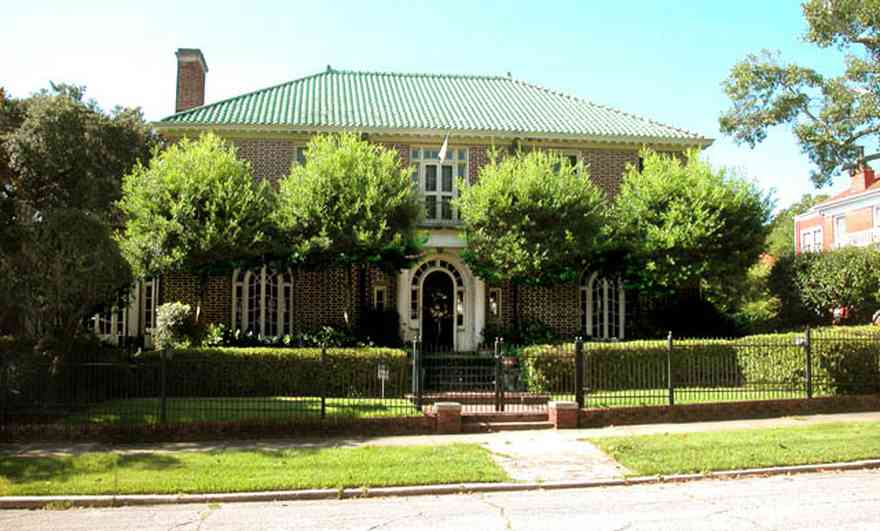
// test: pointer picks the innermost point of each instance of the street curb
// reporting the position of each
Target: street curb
(39, 502)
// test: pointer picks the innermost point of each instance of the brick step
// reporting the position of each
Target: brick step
(505, 417)
(481, 427)
(483, 398)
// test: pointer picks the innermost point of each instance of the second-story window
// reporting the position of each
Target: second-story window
(437, 181)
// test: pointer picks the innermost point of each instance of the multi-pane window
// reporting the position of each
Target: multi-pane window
(380, 297)
(261, 302)
(437, 180)
(839, 230)
(112, 321)
(811, 240)
(149, 304)
(300, 154)
(602, 305)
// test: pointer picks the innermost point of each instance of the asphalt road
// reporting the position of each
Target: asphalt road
(839, 501)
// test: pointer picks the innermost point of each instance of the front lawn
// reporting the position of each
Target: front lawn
(683, 395)
(270, 408)
(241, 471)
(681, 453)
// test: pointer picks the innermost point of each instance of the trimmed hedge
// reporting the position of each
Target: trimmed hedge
(844, 361)
(346, 372)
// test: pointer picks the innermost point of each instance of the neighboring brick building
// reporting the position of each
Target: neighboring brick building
(412, 113)
(851, 217)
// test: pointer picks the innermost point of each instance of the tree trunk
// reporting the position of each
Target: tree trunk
(203, 293)
(350, 294)
(362, 294)
(515, 293)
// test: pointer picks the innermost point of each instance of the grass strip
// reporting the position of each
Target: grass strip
(681, 453)
(246, 471)
(235, 409)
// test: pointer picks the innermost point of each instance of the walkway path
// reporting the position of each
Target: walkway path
(544, 455)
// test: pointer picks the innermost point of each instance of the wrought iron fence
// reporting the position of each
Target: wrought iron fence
(334, 386)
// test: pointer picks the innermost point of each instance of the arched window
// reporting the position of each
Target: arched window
(261, 302)
(602, 304)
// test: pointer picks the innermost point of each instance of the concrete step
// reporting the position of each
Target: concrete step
(500, 416)
(482, 427)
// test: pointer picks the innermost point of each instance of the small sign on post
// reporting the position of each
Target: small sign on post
(383, 375)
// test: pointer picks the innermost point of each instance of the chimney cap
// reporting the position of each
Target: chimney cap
(191, 54)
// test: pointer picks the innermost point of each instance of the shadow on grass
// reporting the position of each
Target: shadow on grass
(65, 468)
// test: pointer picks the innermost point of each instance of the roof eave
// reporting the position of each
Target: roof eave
(700, 142)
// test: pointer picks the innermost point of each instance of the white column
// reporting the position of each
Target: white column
(479, 321)
(403, 294)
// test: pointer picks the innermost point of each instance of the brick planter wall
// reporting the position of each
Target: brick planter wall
(597, 418)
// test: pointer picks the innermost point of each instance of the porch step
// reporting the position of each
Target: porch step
(482, 427)
(484, 397)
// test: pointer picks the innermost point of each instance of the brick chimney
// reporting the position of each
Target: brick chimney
(191, 70)
(861, 178)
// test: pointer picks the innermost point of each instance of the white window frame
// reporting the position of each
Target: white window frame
(457, 159)
(876, 211)
(568, 153)
(149, 290)
(241, 301)
(839, 235)
(599, 317)
(494, 311)
(814, 244)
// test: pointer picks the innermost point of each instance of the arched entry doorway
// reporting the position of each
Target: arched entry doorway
(438, 312)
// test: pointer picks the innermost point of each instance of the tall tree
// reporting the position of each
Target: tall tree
(835, 118)
(780, 240)
(351, 204)
(685, 223)
(61, 164)
(195, 208)
(531, 218)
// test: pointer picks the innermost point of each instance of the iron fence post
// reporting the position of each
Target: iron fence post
(417, 369)
(808, 359)
(670, 384)
(4, 389)
(323, 381)
(163, 384)
(579, 371)
(497, 359)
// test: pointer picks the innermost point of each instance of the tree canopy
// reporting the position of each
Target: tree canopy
(531, 218)
(684, 223)
(780, 239)
(350, 203)
(61, 164)
(834, 117)
(195, 207)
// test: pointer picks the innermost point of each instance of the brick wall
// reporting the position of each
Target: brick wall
(269, 158)
(606, 167)
(595, 418)
(320, 297)
(217, 306)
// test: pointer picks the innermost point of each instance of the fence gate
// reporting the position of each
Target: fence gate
(481, 381)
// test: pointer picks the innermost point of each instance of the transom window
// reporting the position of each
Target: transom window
(261, 302)
(437, 181)
(602, 305)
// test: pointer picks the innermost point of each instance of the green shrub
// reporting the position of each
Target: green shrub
(218, 372)
(845, 361)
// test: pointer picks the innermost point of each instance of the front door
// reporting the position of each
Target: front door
(438, 317)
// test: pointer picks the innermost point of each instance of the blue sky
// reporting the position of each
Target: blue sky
(661, 59)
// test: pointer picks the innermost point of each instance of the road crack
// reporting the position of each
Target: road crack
(507, 523)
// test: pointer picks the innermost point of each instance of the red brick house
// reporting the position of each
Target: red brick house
(410, 113)
(851, 217)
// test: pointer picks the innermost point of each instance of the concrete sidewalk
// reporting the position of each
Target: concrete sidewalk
(543, 455)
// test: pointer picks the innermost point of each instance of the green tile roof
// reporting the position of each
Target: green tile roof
(425, 103)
